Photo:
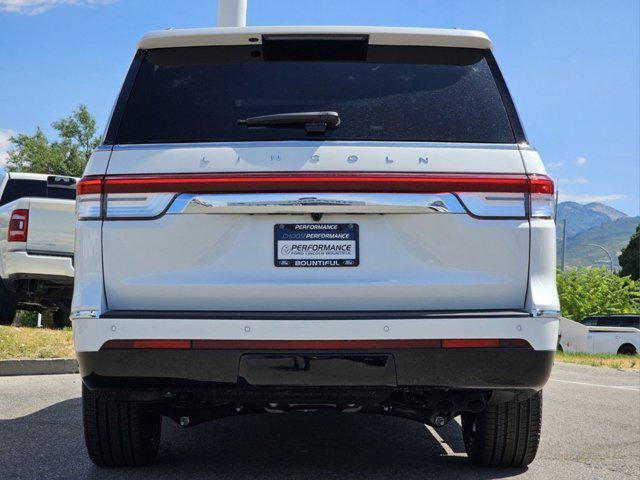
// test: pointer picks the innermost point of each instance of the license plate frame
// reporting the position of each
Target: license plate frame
(316, 245)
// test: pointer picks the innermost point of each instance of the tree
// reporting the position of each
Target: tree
(596, 291)
(66, 156)
(629, 258)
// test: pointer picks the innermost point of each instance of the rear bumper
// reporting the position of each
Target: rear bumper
(236, 355)
(277, 376)
(23, 265)
(92, 329)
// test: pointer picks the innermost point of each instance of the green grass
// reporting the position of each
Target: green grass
(30, 343)
(624, 362)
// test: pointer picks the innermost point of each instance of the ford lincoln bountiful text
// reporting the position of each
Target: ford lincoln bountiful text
(297, 218)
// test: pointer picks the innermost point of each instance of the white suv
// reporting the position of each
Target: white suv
(295, 218)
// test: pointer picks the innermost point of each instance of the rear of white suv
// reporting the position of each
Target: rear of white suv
(287, 218)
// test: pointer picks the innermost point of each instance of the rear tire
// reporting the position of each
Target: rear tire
(505, 434)
(8, 305)
(119, 434)
(627, 349)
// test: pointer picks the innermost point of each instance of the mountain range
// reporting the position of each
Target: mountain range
(592, 223)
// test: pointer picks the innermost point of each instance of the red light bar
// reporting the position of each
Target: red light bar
(318, 182)
(541, 184)
(312, 345)
(164, 344)
(471, 343)
(87, 185)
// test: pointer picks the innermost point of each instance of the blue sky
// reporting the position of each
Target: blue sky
(572, 66)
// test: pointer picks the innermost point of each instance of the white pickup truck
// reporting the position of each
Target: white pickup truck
(604, 334)
(37, 218)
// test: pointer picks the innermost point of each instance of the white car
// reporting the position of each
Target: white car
(615, 334)
(295, 218)
(37, 222)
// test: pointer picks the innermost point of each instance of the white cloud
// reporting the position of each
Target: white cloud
(587, 198)
(36, 7)
(581, 161)
(555, 164)
(5, 145)
(575, 181)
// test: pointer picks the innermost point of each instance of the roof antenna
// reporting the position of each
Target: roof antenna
(232, 13)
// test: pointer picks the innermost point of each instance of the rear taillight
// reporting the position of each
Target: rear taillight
(96, 199)
(542, 199)
(18, 226)
(148, 196)
(89, 198)
(136, 205)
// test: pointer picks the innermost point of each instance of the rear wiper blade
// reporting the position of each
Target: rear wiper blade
(314, 122)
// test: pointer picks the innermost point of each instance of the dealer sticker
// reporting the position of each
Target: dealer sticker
(316, 245)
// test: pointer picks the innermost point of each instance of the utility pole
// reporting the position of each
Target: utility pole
(232, 13)
(564, 243)
(604, 250)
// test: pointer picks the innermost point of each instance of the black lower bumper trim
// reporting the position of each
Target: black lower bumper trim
(233, 370)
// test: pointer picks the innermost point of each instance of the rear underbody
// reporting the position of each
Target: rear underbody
(438, 383)
(428, 379)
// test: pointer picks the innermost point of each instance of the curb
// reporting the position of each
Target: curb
(54, 366)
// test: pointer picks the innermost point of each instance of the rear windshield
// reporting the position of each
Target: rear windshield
(198, 94)
(20, 188)
(619, 322)
(627, 321)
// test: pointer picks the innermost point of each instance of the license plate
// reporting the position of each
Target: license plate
(316, 245)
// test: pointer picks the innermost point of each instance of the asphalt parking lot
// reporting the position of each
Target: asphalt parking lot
(591, 429)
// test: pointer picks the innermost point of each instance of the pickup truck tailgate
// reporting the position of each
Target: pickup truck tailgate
(51, 226)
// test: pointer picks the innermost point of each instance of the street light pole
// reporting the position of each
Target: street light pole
(604, 250)
(564, 243)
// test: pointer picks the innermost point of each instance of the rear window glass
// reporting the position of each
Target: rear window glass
(19, 188)
(15, 189)
(198, 94)
(62, 193)
(619, 322)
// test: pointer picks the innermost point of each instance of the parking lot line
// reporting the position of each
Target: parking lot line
(445, 446)
(631, 388)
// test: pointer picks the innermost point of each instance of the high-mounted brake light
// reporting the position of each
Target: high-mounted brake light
(148, 196)
(18, 225)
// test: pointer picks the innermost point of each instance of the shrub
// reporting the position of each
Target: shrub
(27, 319)
(629, 258)
(596, 291)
